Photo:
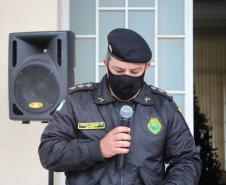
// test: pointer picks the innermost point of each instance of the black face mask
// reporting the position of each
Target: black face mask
(125, 86)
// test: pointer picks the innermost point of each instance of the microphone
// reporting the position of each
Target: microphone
(126, 113)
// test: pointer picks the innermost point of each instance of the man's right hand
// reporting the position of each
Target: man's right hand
(117, 141)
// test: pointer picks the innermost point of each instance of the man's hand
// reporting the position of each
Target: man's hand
(117, 141)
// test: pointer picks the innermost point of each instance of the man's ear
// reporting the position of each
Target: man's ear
(147, 65)
(106, 66)
(105, 62)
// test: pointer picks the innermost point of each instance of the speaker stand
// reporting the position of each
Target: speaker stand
(25, 122)
(51, 177)
(50, 172)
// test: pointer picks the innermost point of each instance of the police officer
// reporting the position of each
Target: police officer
(85, 139)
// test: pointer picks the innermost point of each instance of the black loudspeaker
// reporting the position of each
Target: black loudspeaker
(41, 69)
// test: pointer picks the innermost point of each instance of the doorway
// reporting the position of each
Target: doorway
(210, 68)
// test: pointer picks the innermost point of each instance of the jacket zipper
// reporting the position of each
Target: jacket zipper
(122, 176)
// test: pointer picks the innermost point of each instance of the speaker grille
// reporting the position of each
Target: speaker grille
(36, 88)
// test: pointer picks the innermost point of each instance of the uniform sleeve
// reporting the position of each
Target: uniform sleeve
(181, 154)
(60, 150)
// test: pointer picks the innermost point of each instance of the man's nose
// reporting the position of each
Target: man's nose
(127, 72)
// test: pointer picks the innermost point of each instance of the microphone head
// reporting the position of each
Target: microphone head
(126, 112)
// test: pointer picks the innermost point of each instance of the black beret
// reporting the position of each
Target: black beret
(128, 46)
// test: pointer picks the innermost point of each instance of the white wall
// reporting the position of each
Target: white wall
(19, 162)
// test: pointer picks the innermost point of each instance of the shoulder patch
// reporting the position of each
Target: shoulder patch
(159, 91)
(82, 87)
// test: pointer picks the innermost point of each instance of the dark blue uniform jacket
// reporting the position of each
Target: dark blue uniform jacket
(71, 140)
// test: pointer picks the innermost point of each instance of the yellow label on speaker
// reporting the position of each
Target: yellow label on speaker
(36, 105)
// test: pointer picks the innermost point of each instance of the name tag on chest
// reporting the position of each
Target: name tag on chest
(91, 126)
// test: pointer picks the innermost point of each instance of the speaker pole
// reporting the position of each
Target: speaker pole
(25, 122)
(51, 177)
(50, 172)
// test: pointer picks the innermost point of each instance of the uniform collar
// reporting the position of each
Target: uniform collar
(145, 96)
(103, 95)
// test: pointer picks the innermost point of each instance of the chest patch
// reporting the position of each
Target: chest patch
(91, 125)
(154, 126)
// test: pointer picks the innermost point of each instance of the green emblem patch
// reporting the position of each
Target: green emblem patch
(154, 126)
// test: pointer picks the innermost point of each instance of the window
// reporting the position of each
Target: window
(165, 24)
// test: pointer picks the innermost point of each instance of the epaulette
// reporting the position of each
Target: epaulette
(159, 91)
(82, 87)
